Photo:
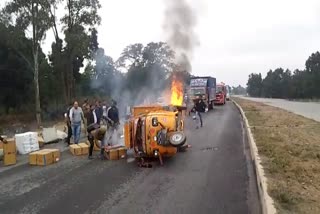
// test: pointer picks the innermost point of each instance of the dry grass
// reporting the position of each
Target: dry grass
(289, 146)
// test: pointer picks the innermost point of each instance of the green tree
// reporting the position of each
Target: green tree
(80, 15)
(149, 68)
(286, 85)
(31, 13)
(16, 70)
(272, 84)
(254, 85)
(239, 90)
(313, 74)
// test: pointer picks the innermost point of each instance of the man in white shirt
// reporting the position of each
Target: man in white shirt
(76, 116)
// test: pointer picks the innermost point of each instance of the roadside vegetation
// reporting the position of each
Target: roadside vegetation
(76, 67)
(289, 147)
(287, 84)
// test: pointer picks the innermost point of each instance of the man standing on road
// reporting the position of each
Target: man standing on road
(76, 116)
(68, 122)
(200, 107)
(112, 119)
(92, 125)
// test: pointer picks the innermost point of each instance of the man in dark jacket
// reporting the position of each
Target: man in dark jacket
(113, 114)
(68, 123)
(99, 111)
(91, 125)
(112, 120)
(200, 107)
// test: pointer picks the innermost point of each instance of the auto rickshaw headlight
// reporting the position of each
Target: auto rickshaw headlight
(154, 121)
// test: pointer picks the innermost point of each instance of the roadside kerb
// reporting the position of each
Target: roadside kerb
(266, 201)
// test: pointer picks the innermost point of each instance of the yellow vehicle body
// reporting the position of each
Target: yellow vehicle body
(141, 134)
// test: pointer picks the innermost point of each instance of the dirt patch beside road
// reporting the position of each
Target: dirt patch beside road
(289, 146)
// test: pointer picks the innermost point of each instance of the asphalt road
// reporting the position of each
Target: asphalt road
(309, 110)
(214, 176)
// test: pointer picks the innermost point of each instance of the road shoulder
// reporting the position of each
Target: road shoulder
(267, 204)
(289, 149)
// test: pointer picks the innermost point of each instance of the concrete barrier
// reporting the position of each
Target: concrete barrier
(267, 204)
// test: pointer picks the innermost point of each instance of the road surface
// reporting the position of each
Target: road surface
(214, 176)
(309, 110)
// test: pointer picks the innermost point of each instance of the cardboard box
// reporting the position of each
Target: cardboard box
(33, 158)
(44, 158)
(122, 152)
(56, 155)
(26, 142)
(84, 148)
(75, 149)
(10, 159)
(10, 146)
(112, 154)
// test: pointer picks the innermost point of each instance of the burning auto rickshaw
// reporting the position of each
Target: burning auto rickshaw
(155, 132)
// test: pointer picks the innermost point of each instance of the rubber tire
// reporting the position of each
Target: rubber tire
(181, 140)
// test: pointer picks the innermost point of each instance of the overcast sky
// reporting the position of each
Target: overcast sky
(237, 37)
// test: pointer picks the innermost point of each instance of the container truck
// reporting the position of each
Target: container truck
(204, 88)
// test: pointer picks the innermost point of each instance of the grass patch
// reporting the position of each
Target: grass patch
(289, 147)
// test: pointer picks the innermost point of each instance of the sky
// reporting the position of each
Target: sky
(237, 37)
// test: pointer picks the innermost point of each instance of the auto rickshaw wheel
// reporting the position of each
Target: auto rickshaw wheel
(177, 138)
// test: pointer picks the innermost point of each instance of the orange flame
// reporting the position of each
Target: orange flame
(176, 92)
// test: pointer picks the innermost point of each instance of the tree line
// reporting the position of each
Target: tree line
(32, 81)
(280, 83)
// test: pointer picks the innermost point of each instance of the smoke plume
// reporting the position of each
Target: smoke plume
(179, 26)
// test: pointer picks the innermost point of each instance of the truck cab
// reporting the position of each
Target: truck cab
(203, 88)
(221, 93)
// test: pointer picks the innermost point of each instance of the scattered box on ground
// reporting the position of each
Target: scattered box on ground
(49, 134)
(84, 148)
(33, 158)
(56, 155)
(10, 159)
(75, 149)
(122, 152)
(112, 154)
(27, 142)
(10, 146)
(44, 157)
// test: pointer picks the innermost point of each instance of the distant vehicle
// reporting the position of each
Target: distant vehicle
(203, 87)
(228, 92)
(221, 94)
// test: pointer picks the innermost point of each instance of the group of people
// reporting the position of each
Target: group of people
(92, 116)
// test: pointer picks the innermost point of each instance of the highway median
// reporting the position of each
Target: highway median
(289, 150)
